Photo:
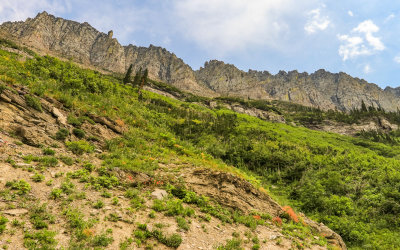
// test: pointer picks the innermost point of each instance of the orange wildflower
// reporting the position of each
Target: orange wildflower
(291, 213)
(277, 221)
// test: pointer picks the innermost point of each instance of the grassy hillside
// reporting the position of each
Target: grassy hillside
(350, 184)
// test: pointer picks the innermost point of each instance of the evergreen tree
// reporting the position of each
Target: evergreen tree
(138, 77)
(371, 108)
(143, 81)
(363, 106)
(127, 77)
(144, 78)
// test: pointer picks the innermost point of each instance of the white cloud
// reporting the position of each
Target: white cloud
(316, 22)
(19, 10)
(397, 59)
(367, 69)
(350, 13)
(390, 17)
(228, 25)
(366, 27)
(360, 41)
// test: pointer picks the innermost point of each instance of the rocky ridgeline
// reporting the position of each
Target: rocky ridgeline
(321, 89)
(84, 44)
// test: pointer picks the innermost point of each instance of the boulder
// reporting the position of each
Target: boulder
(159, 194)
(142, 178)
(61, 119)
(33, 136)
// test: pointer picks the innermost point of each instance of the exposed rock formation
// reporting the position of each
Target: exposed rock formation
(236, 193)
(83, 43)
(320, 89)
(39, 128)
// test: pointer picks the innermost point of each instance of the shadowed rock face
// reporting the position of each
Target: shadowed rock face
(83, 43)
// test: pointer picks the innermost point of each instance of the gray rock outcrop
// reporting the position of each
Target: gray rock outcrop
(84, 44)
(321, 89)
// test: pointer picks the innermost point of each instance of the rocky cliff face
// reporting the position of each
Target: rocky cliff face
(84, 44)
(320, 89)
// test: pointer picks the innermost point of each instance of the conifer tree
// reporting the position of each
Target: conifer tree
(138, 77)
(143, 81)
(363, 106)
(127, 77)
(144, 78)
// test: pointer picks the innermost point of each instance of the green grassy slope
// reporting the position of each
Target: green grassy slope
(350, 184)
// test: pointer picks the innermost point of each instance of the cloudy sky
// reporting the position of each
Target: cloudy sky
(361, 38)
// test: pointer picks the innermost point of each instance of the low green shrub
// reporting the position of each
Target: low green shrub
(232, 244)
(67, 187)
(143, 233)
(56, 193)
(33, 102)
(175, 207)
(48, 161)
(67, 160)
(48, 151)
(88, 166)
(21, 186)
(182, 223)
(2, 88)
(113, 217)
(80, 147)
(3, 223)
(62, 134)
(37, 177)
(98, 204)
(173, 240)
(43, 239)
(159, 205)
(79, 133)
(74, 121)
(105, 181)
(102, 240)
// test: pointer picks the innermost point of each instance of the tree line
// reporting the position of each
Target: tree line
(141, 77)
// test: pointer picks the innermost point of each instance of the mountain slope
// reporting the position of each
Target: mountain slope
(85, 164)
(84, 44)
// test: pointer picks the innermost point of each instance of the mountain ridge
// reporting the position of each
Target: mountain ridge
(85, 44)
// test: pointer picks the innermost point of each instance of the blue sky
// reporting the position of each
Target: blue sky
(359, 37)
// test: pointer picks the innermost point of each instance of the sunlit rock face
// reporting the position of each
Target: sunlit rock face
(83, 43)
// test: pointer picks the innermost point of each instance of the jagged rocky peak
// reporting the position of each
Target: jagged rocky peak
(226, 78)
(83, 43)
(43, 13)
(110, 34)
(395, 91)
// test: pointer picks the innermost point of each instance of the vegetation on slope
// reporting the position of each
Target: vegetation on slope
(350, 184)
(99, 175)
(309, 117)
